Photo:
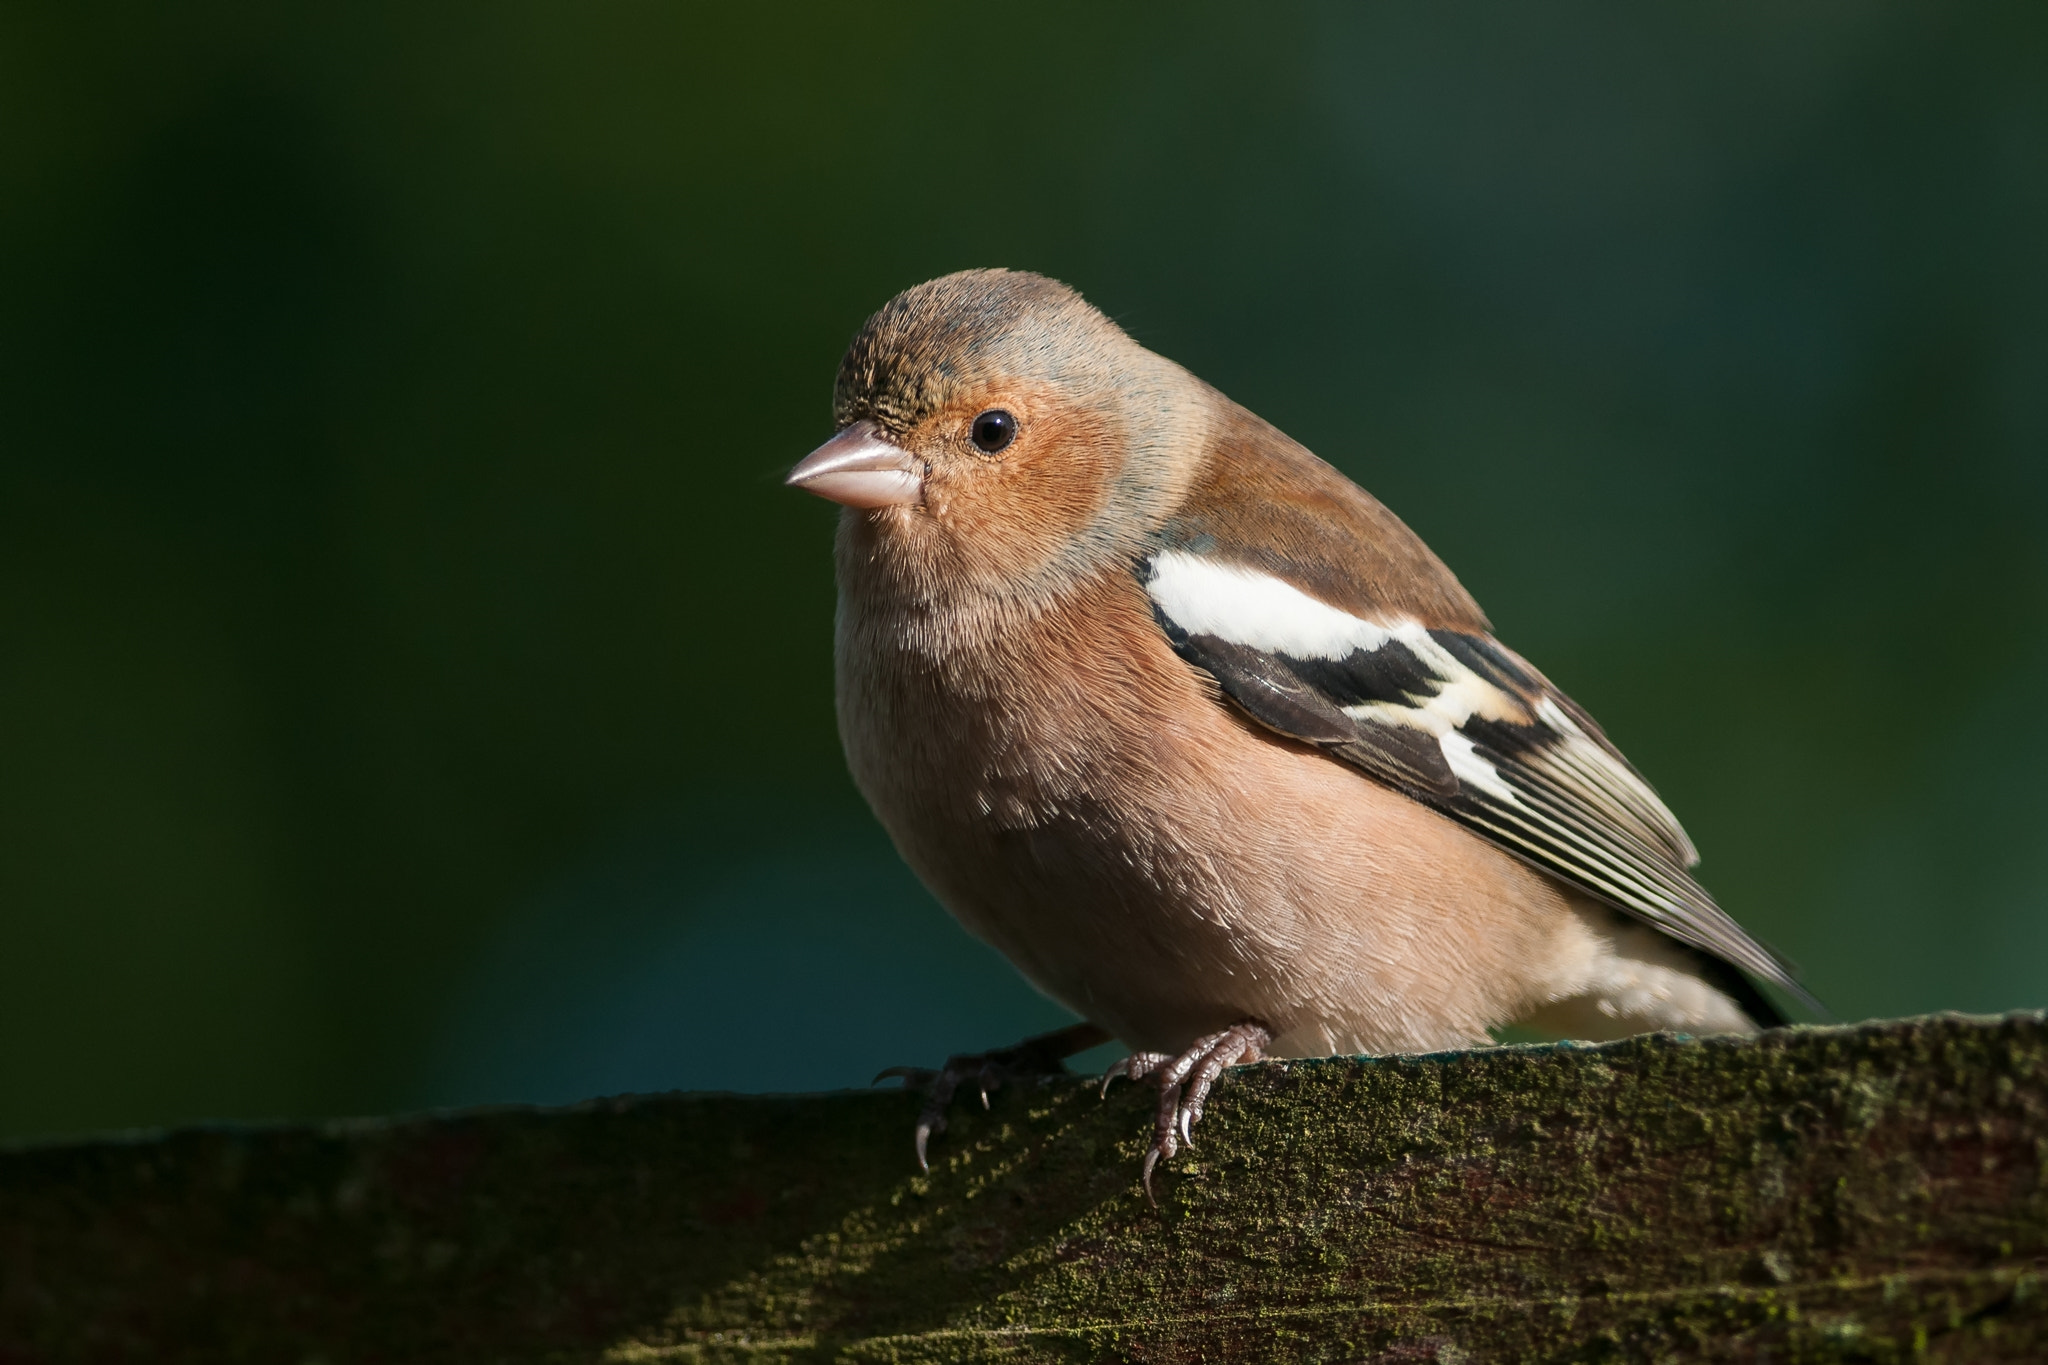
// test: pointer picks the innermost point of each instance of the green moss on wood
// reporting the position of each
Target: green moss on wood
(1870, 1193)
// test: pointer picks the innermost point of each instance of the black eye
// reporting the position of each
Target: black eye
(993, 430)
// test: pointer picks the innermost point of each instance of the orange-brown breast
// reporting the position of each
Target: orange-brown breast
(1078, 797)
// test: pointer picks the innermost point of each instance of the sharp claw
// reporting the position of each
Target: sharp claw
(988, 1071)
(905, 1073)
(1151, 1160)
(1187, 1138)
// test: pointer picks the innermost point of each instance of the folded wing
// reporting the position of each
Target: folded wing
(1458, 721)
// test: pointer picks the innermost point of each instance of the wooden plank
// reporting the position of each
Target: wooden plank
(1865, 1193)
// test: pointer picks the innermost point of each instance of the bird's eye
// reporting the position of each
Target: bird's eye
(993, 430)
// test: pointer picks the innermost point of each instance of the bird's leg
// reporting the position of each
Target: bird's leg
(1043, 1055)
(1184, 1083)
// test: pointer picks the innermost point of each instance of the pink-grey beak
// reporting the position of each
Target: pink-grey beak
(861, 469)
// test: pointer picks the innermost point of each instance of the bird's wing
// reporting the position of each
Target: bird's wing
(1458, 721)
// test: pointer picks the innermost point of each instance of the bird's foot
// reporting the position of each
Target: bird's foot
(1184, 1083)
(1044, 1055)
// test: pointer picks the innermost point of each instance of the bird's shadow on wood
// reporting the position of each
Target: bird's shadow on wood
(894, 1252)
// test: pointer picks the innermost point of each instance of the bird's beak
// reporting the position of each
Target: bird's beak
(859, 468)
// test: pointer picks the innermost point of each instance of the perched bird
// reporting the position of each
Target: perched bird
(1205, 740)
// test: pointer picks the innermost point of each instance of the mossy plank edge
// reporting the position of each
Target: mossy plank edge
(1814, 1194)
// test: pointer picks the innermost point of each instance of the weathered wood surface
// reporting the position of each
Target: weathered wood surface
(1860, 1193)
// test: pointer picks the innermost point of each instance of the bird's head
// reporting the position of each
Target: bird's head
(997, 433)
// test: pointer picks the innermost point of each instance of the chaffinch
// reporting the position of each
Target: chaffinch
(1205, 740)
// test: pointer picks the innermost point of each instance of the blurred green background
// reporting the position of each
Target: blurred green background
(415, 683)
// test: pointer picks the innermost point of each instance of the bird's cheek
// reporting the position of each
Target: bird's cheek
(1052, 501)
(962, 497)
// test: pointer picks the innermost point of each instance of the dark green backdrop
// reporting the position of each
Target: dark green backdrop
(415, 684)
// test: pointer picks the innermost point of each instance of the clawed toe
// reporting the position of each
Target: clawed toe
(1135, 1067)
(938, 1087)
(1184, 1083)
(1185, 1080)
(1043, 1055)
